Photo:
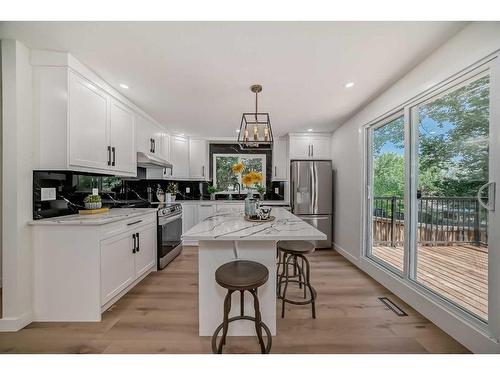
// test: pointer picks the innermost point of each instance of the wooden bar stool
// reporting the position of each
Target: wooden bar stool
(243, 276)
(292, 252)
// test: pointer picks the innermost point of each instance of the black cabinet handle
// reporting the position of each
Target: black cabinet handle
(154, 146)
(151, 145)
(135, 222)
(275, 171)
(114, 156)
(137, 249)
(109, 155)
(133, 250)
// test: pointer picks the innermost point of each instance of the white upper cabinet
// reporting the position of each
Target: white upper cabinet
(165, 141)
(151, 139)
(179, 157)
(144, 135)
(280, 160)
(309, 146)
(122, 124)
(198, 157)
(320, 147)
(89, 138)
(300, 147)
(82, 124)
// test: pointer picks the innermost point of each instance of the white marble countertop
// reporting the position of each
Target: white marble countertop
(113, 215)
(235, 201)
(231, 225)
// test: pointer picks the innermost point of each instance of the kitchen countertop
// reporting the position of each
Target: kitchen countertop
(221, 201)
(231, 225)
(113, 215)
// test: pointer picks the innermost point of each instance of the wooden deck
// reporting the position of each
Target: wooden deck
(459, 272)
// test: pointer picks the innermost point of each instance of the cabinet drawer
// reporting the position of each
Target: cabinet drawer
(131, 224)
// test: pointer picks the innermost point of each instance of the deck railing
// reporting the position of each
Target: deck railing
(441, 221)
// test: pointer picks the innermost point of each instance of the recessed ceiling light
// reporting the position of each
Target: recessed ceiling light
(237, 130)
(309, 130)
(123, 86)
(349, 85)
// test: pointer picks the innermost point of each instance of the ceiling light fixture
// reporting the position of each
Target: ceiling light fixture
(123, 86)
(309, 130)
(349, 85)
(258, 124)
(237, 130)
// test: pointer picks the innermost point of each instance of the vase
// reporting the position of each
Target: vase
(250, 204)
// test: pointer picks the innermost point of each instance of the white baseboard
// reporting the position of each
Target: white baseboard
(16, 323)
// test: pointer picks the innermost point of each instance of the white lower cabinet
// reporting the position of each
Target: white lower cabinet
(145, 255)
(125, 258)
(189, 216)
(117, 265)
(81, 270)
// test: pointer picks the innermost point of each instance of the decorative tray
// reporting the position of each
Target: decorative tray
(257, 220)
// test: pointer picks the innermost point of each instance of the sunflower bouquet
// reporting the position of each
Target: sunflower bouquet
(250, 179)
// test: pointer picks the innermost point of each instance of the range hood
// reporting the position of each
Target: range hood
(150, 161)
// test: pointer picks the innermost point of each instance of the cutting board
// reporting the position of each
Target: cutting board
(94, 212)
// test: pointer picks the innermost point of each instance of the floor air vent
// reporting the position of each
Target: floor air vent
(395, 308)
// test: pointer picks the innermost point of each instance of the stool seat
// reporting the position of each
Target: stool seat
(296, 247)
(241, 275)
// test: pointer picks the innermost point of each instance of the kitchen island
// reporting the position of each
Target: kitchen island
(226, 236)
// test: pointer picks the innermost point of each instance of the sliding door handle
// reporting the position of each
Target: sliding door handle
(490, 206)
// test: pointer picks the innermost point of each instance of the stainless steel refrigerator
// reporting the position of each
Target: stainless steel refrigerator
(311, 195)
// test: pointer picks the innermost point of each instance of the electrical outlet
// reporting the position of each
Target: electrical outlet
(276, 190)
(188, 190)
(48, 194)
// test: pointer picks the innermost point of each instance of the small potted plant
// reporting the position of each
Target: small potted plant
(92, 202)
(212, 190)
(261, 189)
(172, 189)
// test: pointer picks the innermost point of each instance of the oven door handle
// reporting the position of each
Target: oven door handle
(170, 219)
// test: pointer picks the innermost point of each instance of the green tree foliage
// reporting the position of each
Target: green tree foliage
(453, 133)
(389, 173)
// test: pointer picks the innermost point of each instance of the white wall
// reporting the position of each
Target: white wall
(17, 168)
(471, 44)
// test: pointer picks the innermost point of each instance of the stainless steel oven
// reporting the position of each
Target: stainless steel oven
(169, 233)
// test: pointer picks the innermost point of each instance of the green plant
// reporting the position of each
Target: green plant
(92, 199)
(261, 189)
(172, 188)
(212, 189)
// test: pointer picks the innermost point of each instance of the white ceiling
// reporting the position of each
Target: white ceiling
(194, 77)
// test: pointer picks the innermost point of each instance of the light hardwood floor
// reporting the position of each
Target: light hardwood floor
(160, 315)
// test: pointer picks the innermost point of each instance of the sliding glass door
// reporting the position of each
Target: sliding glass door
(430, 177)
(386, 175)
(451, 142)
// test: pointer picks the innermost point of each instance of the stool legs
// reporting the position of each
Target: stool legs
(304, 272)
(225, 322)
(259, 324)
(258, 320)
